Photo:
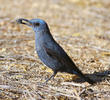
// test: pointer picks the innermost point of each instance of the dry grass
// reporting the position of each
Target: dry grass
(82, 28)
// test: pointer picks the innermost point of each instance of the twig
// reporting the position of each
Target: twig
(100, 49)
(71, 83)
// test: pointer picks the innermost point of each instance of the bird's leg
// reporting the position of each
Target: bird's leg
(52, 76)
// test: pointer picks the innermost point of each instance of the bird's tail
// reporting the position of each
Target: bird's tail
(81, 75)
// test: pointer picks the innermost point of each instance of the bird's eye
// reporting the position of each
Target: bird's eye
(36, 24)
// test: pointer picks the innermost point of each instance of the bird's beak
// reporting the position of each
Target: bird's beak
(24, 21)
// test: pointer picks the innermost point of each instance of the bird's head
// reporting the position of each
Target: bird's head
(35, 24)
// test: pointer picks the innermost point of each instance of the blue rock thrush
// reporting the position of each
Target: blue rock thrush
(50, 52)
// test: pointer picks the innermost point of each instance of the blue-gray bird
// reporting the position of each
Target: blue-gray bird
(50, 52)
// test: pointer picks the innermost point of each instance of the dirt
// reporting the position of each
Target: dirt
(81, 27)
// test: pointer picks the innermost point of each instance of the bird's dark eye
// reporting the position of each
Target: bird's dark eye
(37, 24)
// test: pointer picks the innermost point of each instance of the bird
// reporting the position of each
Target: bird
(50, 52)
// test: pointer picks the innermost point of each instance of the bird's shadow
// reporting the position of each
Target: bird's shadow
(96, 76)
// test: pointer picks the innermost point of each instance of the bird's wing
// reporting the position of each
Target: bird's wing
(52, 53)
(67, 65)
(60, 56)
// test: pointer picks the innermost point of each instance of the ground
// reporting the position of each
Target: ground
(81, 27)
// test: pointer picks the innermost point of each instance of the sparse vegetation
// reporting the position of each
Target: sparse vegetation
(81, 27)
